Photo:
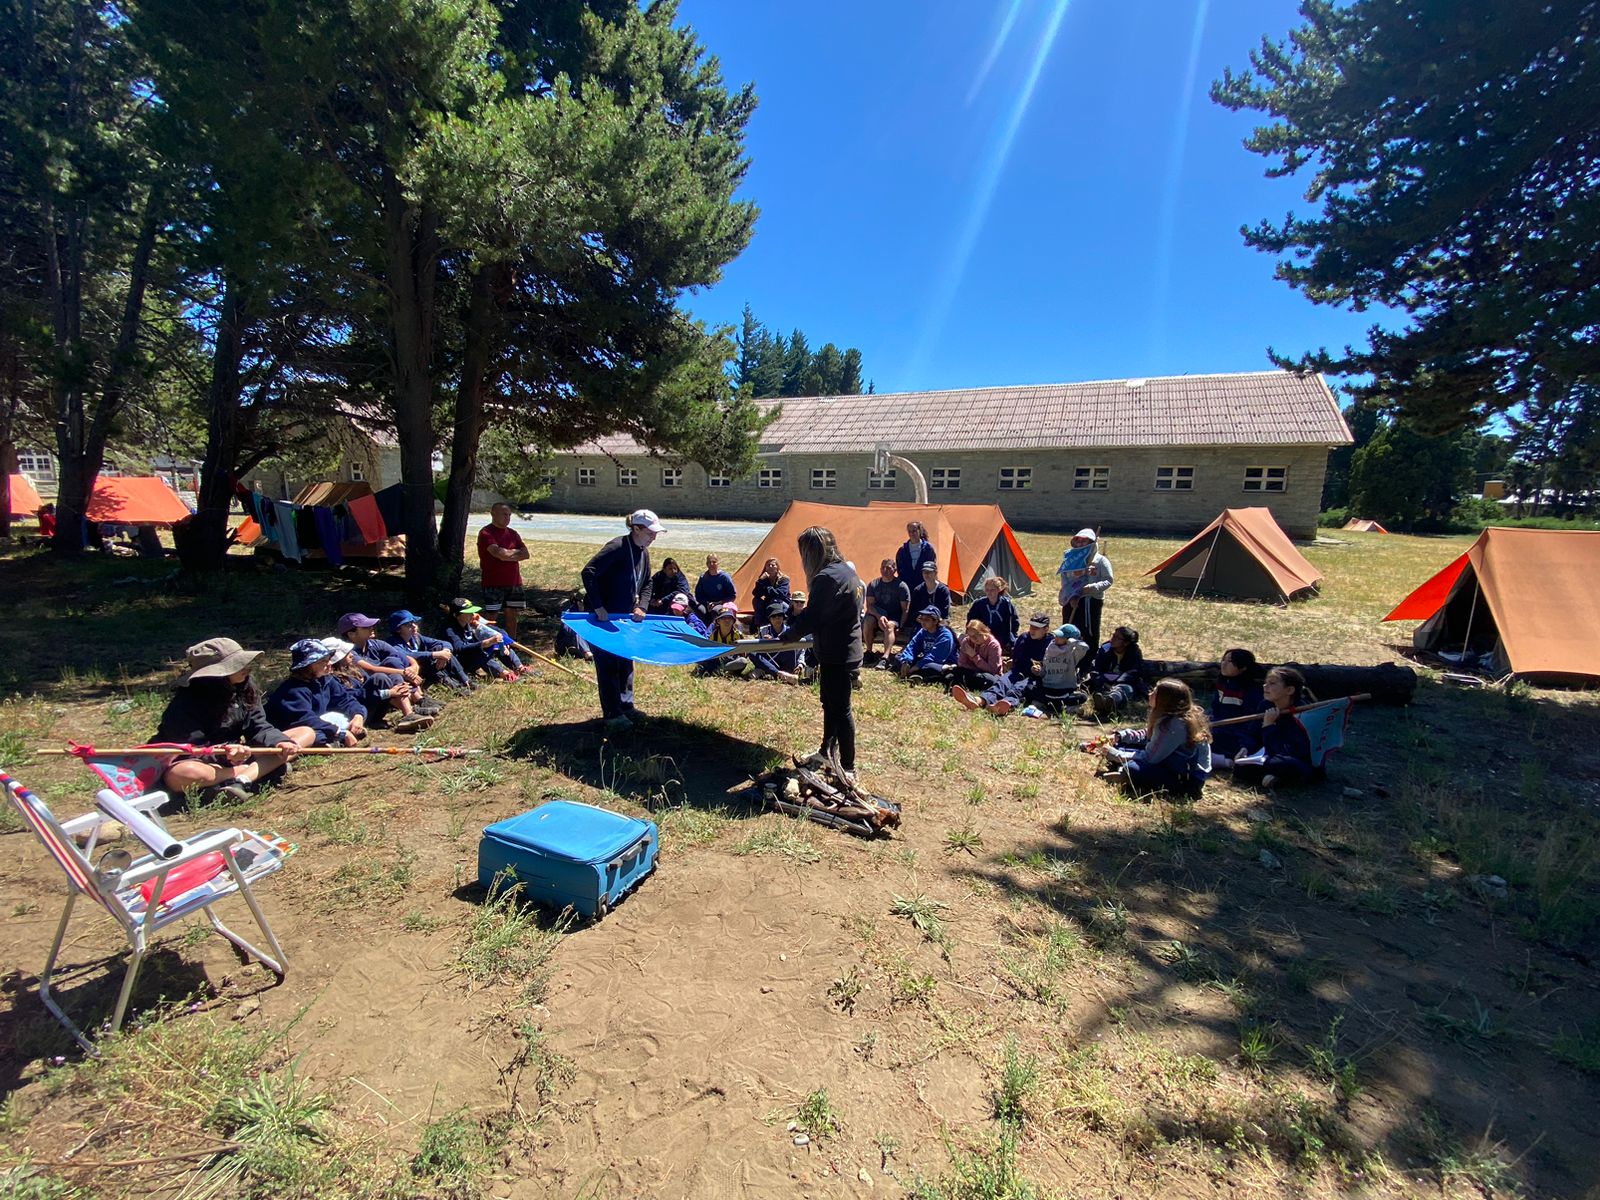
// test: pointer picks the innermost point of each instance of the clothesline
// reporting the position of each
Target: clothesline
(296, 528)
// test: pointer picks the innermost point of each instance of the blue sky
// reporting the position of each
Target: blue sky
(1061, 203)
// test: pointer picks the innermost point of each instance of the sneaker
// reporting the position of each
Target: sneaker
(428, 708)
(1102, 704)
(225, 793)
(884, 664)
(963, 699)
(415, 723)
(1000, 707)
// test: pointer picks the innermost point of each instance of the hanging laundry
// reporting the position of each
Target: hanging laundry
(365, 512)
(288, 542)
(329, 534)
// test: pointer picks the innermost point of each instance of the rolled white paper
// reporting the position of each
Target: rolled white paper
(162, 844)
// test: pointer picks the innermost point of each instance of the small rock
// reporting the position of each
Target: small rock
(247, 1008)
(1258, 816)
(1490, 886)
(1270, 861)
(1353, 793)
(783, 958)
(503, 1190)
(801, 1139)
(765, 990)
(794, 1126)
(865, 1176)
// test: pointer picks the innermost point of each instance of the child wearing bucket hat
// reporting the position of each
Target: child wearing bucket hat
(217, 703)
(392, 678)
(314, 699)
(436, 662)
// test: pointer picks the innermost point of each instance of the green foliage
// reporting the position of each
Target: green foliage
(506, 942)
(769, 366)
(1449, 189)
(1404, 476)
(452, 1154)
(816, 1116)
(1019, 1077)
(986, 1173)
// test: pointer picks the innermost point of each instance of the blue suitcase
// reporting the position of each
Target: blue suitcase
(566, 854)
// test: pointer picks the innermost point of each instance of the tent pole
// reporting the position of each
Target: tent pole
(1472, 614)
(1210, 550)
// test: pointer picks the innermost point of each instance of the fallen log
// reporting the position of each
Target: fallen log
(1386, 683)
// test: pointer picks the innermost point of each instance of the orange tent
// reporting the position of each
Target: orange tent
(24, 500)
(1524, 600)
(972, 542)
(127, 500)
(1357, 525)
(1243, 553)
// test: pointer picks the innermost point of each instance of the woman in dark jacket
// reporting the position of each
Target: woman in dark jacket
(771, 587)
(665, 584)
(218, 704)
(832, 616)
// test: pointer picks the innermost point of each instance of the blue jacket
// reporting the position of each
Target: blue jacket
(1108, 671)
(1284, 738)
(469, 652)
(934, 649)
(714, 589)
(298, 701)
(921, 597)
(908, 564)
(1237, 697)
(421, 645)
(1026, 651)
(1001, 618)
(617, 578)
(379, 653)
(765, 594)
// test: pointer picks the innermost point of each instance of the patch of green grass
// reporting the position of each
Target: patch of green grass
(417, 921)
(782, 838)
(816, 1116)
(280, 1123)
(505, 942)
(1338, 1069)
(686, 827)
(1191, 963)
(845, 990)
(482, 775)
(914, 987)
(372, 880)
(1019, 1078)
(924, 914)
(452, 1155)
(23, 1181)
(336, 824)
(1256, 1047)
(965, 839)
(1038, 971)
(987, 1172)
(1581, 1050)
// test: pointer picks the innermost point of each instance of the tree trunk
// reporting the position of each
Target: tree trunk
(203, 544)
(1387, 683)
(468, 429)
(412, 271)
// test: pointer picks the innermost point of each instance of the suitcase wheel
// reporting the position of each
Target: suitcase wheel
(601, 909)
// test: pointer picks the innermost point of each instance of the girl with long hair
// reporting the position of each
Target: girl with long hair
(1285, 754)
(1172, 753)
(832, 616)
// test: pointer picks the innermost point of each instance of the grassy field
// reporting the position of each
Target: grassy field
(1039, 987)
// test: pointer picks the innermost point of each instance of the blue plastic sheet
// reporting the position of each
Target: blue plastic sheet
(657, 640)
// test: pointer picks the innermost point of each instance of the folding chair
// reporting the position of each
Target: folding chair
(245, 858)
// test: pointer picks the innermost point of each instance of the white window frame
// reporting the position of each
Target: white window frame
(548, 476)
(1016, 479)
(883, 481)
(944, 479)
(30, 463)
(1262, 479)
(770, 477)
(671, 477)
(357, 473)
(1175, 479)
(718, 479)
(588, 477)
(824, 479)
(1091, 479)
(627, 476)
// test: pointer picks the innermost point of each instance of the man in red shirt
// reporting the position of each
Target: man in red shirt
(500, 550)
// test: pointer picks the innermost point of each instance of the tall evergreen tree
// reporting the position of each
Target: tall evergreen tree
(1452, 151)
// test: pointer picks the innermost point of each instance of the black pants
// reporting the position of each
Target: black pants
(615, 678)
(1084, 612)
(838, 721)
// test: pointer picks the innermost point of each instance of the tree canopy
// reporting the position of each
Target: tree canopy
(771, 365)
(1451, 152)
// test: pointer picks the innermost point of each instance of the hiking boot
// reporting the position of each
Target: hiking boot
(415, 723)
(428, 708)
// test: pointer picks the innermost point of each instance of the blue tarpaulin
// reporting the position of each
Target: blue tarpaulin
(657, 640)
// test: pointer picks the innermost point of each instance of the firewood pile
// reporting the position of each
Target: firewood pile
(826, 795)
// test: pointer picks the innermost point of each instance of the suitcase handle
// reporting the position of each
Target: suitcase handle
(634, 851)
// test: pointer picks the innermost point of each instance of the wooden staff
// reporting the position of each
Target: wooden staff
(549, 662)
(1301, 709)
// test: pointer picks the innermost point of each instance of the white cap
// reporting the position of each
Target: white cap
(1086, 533)
(648, 519)
(341, 648)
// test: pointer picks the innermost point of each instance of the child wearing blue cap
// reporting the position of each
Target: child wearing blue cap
(312, 698)
(435, 660)
(392, 677)
(931, 653)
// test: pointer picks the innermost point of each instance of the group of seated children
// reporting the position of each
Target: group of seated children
(335, 686)
(786, 666)
(1178, 748)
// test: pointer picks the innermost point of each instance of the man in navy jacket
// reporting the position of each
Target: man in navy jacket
(616, 583)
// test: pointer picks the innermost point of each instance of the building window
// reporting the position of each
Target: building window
(36, 464)
(358, 474)
(944, 479)
(1091, 479)
(627, 477)
(1174, 479)
(671, 476)
(824, 478)
(549, 475)
(1266, 479)
(882, 481)
(1016, 479)
(587, 476)
(770, 477)
(718, 479)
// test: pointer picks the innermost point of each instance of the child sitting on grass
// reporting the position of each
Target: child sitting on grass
(312, 698)
(725, 632)
(479, 646)
(1116, 677)
(1172, 753)
(1284, 757)
(1238, 695)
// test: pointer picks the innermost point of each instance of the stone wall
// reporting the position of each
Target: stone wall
(1130, 501)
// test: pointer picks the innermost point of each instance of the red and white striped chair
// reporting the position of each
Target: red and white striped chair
(153, 891)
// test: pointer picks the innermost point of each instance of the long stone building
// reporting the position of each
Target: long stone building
(1129, 455)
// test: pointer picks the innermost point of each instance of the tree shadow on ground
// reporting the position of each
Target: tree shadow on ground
(662, 761)
(1308, 944)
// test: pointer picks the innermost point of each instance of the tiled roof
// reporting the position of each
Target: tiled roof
(1258, 408)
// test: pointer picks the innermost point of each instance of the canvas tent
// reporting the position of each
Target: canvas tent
(1357, 525)
(134, 500)
(24, 499)
(1524, 599)
(972, 541)
(1242, 554)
